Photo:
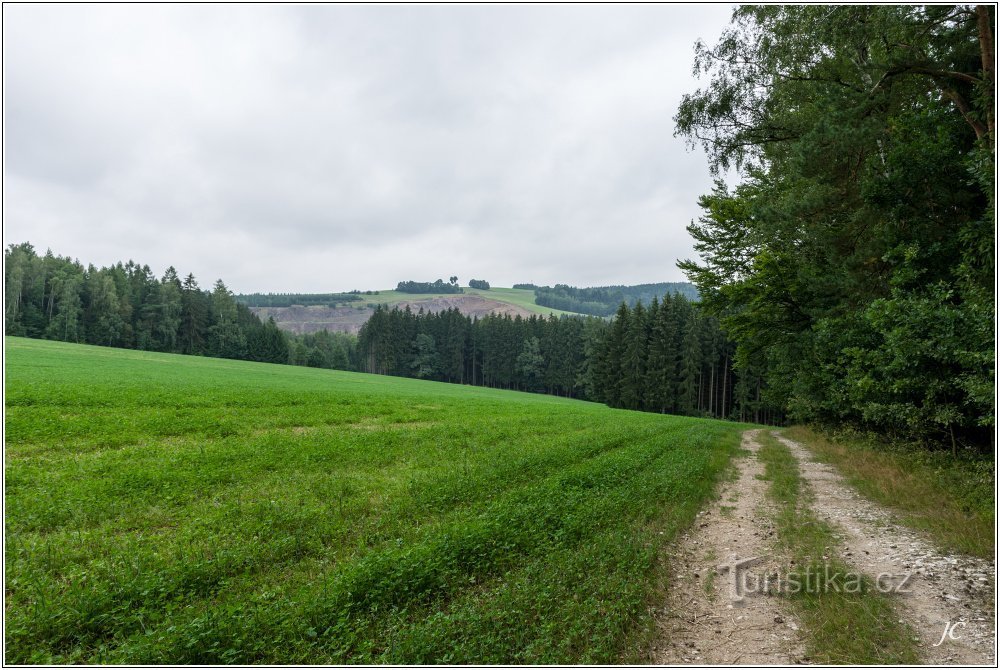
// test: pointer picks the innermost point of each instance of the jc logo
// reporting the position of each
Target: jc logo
(949, 631)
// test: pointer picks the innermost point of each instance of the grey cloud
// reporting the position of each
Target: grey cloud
(331, 147)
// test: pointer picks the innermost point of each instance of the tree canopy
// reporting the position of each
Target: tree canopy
(853, 262)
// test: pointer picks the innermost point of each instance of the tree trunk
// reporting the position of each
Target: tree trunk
(725, 382)
(987, 49)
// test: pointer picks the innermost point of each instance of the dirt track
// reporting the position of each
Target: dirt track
(943, 588)
(701, 623)
(705, 622)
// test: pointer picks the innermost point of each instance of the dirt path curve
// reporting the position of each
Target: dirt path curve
(702, 623)
(943, 588)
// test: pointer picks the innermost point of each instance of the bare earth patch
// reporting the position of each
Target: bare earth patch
(944, 589)
(701, 623)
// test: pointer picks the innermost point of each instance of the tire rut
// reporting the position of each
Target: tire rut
(702, 623)
(943, 589)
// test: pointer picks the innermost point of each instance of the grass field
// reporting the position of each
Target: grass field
(171, 509)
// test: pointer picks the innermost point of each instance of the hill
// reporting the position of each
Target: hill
(348, 312)
(349, 316)
(169, 509)
(605, 300)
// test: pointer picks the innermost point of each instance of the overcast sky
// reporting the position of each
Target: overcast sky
(325, 148)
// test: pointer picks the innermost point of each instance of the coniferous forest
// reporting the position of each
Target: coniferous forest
(666, 357)
(126, 306)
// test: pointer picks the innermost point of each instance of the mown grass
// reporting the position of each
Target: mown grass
(846, 620)
(171, 509)
(952, 499)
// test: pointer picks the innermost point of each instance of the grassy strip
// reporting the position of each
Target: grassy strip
(846, 619)
(951, 499)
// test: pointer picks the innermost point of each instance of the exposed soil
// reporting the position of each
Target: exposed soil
(299, 319)
(943, 588)
(349, 319)
(701, 623)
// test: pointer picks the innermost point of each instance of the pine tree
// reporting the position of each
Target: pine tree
(690, 366)
(661, 367)
(632, 380)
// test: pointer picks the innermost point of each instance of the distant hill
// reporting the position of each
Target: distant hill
(347, 312)
(604, 300)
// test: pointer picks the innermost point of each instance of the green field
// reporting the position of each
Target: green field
(172, 509)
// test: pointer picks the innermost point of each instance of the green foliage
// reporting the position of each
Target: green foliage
(480, 284)
(126, 306)
(437, 286)
(304, 299)
(673, 358)
(532, 354)
(175, 510)
(425, 362)
(604, 300)
(854, 263)
(530, 364)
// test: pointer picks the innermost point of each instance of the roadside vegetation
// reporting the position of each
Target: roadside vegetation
(177, 509)
(840, 626)
(952, 499)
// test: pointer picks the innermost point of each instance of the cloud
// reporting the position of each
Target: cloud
(322, 148)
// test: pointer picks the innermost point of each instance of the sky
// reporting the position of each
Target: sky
(330, 148)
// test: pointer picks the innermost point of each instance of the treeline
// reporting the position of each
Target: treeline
(437, 286)
(532, 354)
(665, 358)
(304, 299)
(334, 351)
(480, 284)
(671, 358)
(854, 262)
(604, 300)
(125, 305)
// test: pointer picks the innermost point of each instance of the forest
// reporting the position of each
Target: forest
(853, 262)
(125, 305)
(304, 299)
(667, 357)
(604, 300)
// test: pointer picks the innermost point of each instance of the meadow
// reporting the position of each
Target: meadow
(172, 509)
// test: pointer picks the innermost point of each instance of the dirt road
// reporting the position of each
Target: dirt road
(709, 620)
